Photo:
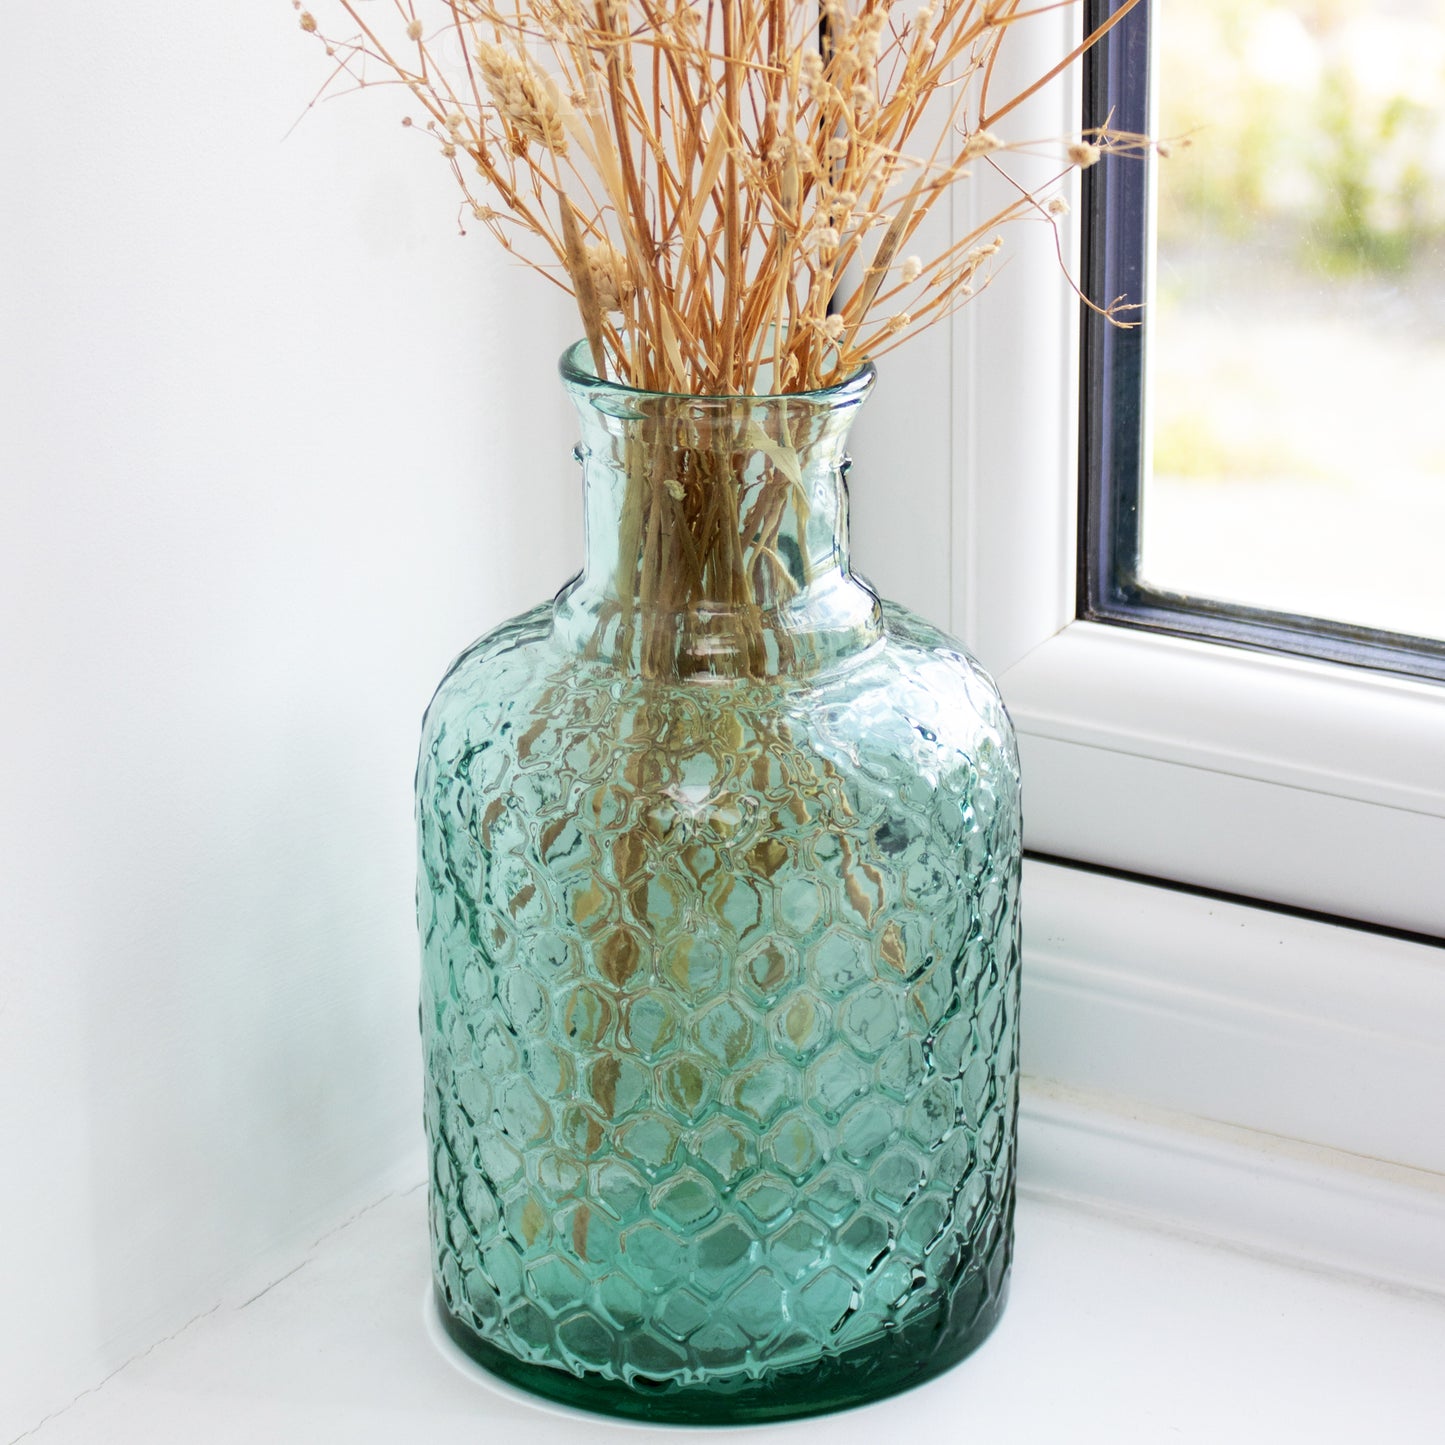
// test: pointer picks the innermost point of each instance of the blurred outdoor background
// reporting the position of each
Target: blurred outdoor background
(1298, 332)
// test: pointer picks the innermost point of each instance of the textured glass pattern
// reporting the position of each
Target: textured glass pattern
(720, 1004)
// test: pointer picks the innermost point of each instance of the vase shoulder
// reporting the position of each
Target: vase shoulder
(915, 683)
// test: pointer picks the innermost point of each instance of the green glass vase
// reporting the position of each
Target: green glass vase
(718, 899)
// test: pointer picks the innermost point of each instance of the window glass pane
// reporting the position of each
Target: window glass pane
(1297, 332)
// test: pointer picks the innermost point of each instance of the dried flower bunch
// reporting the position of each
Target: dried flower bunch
(730, 188)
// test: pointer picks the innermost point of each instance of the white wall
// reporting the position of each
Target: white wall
(276, 444)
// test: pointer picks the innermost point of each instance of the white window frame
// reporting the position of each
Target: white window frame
(1295, 781)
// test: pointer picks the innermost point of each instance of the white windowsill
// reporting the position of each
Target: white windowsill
(1114, 1333)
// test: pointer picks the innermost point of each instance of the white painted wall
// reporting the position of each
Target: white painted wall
(276, 444)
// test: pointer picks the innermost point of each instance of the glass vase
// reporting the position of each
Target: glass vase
(718, 899)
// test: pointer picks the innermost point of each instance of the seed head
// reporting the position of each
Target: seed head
(865, 38)
(611, 278)
(522, 97)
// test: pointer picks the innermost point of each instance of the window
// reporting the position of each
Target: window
(1262, 459)
(1179, 755)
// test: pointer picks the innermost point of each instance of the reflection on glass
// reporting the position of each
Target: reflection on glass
(1297, 337)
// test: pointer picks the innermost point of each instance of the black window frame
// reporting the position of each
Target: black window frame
(1115, 213)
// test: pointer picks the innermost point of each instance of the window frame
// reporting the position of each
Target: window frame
(1291, 780)
(1117, 261)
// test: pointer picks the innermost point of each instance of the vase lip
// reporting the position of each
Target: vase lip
(579, 374)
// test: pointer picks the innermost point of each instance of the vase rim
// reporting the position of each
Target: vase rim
(577, 372)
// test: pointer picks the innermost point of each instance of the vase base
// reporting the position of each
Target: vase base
(914, 1353)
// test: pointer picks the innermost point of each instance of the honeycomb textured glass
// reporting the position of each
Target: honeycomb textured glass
(720, 970)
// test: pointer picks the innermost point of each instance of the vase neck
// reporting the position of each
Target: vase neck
(716, 534)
